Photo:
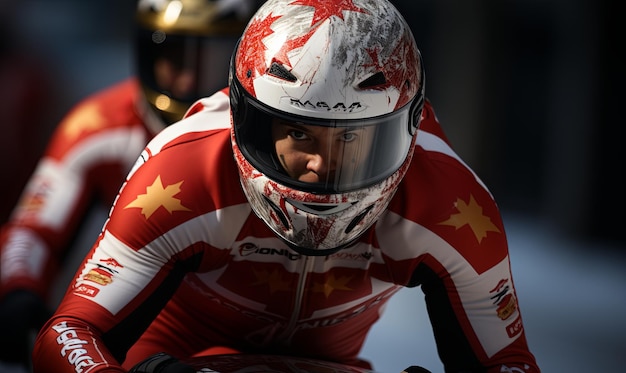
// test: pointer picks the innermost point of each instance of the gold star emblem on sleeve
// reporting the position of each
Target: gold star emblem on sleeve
(471, 214)
(156, 196)
(85, 118)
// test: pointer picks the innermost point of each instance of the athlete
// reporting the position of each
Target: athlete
(178, 60)
(281, 219)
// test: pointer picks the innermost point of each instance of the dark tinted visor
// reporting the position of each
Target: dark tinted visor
(183, 67)
(358, 152)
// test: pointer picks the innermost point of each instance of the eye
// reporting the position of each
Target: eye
(298, 135)
(348, 136)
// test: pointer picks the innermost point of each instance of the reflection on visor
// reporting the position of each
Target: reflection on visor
(326, 156)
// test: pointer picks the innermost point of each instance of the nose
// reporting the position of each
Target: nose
(321, 166)
(318, 165)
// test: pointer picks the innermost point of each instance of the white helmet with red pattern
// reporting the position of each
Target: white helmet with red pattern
(340, 64)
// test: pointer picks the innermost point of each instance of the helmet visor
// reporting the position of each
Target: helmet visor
(183, 67)
(322, 156)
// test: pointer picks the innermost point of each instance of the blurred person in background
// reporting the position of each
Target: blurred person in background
(281, 219)
(182, 53)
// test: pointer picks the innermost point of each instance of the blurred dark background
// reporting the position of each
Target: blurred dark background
(529, 92)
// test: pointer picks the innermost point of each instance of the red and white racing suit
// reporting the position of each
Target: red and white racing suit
(184, 264)
(86, 160)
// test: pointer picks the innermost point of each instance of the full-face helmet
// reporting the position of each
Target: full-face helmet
(183, 49)
(341, 85)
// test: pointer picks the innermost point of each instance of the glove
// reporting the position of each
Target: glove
(161, 363)
(416, 369)
(22, 313)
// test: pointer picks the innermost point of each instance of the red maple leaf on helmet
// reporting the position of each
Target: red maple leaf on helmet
(406, 71)
(254, 60)
(328, 9)
(396, 69)
(321, 13)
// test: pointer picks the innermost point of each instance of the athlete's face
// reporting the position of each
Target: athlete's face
(180, 81)
(316, 154)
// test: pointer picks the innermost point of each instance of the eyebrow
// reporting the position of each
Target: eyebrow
(302, 127)
(305, 127)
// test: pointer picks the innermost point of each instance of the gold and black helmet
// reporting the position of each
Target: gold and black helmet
(183, 49)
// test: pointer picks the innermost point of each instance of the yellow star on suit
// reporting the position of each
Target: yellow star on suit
(156, 196)
(471, 214)
(85, 118)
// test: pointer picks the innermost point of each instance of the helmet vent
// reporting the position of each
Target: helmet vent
(375, 80)
(320, 208)
(357, 219)
(281, 72)
(279, 213)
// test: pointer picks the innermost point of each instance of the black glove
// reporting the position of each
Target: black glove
(415, 369)
(22, 313)
(161, 363)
